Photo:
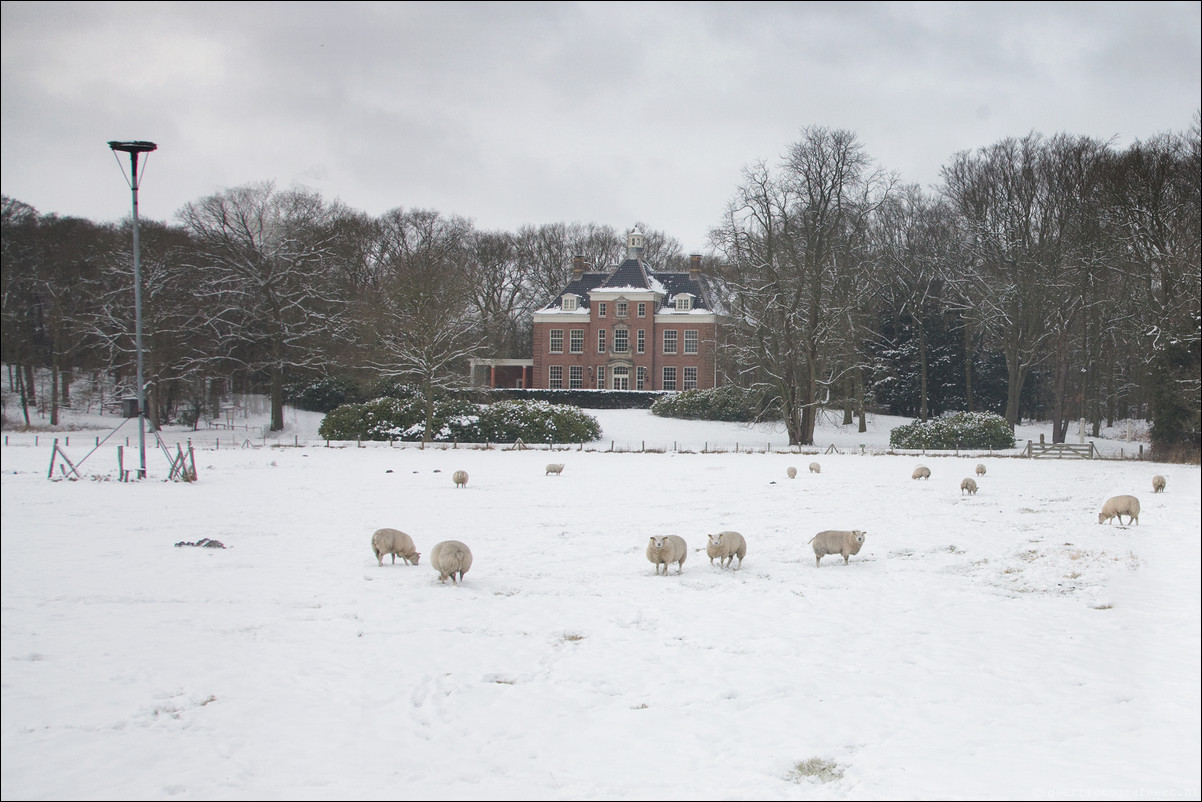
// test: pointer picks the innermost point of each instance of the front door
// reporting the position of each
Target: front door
(621, 378)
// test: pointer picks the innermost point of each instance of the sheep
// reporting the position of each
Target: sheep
(921, 472)
(394, 542)
(980, 469)
(815, 467)
(1157, 484)
(554, 468)
(665, 550)
(970, 485)
(1117, 507)
(726, 546)
(450, 557)
(460, 478)
(834, 541)
(792, 472)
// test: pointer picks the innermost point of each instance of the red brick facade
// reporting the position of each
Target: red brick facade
(628, 329)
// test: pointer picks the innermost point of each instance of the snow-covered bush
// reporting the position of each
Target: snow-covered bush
(534, 422)
(396, 419)
(725, 403)
(960, 430)
(455, 420)
(322, 395)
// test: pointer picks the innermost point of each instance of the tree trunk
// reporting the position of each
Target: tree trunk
(53, 394)
(277, 397)
(31, 390)
(922, 374)
(968, 356)
(859, 382)
(24, 394)
(64, 386)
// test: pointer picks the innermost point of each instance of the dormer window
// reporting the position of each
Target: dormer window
(684, 302)
(569, 302)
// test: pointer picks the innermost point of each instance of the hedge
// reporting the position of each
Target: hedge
(961, 430)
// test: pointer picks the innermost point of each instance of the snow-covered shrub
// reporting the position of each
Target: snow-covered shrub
(322, 395)
(534, 422)
(725, 403)
(960, 430)
(456, 420)
(396, 419)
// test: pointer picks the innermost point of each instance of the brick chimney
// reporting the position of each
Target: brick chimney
(695, 267)
(577, 266)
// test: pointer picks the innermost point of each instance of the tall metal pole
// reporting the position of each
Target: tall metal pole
(133, 149)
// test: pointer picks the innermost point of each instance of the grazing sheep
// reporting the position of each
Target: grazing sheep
(921, 472)
(665, 550)
(835, 541)
(1157, 483)
(792, 472)
(970, 485)
(396, 543)
(726, 546)
(554, 468)
(460, 478)
(450, 557)
(815, 467)
(1117, 507)
(980, 469)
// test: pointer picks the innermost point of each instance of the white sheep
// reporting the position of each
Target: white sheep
(1117, 507)
(554, 468)
(1157, 483)
(396, 543)
(792, 472)
(725, 546)
(970, 485)
(665, 550)
(815, 467)
(451, 558)
(921, 472)
(980, 469)
(460, 478)
(836, 541)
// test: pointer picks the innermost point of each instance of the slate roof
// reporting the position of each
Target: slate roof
(634, 273)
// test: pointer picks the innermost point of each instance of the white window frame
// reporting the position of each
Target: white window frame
(601, 341)
(575, 377)
(619, 348)
(669, 370)
(601, 376)
(666, 338)
(621, 308)
(642, 309)
(555, 335)
(576, 341)
(640, 342)
(641, 378)
(555, 377)
(569, 303)
(691, 340)
(688, 379)
(601, 305)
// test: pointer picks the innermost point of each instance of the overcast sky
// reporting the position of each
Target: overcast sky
(529, 113)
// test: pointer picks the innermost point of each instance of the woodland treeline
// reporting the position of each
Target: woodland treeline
(1050, 277)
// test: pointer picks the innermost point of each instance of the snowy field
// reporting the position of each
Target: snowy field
(997, 646)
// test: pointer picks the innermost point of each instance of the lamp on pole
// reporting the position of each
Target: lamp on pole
(134, 149)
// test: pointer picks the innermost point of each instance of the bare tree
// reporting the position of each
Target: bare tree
(792, 240)
(422, 325)
(267, 258)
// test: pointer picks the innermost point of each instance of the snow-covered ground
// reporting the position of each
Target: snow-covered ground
(997, 646)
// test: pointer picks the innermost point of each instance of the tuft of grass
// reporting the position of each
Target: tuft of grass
(817, 768)
(573, 637)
